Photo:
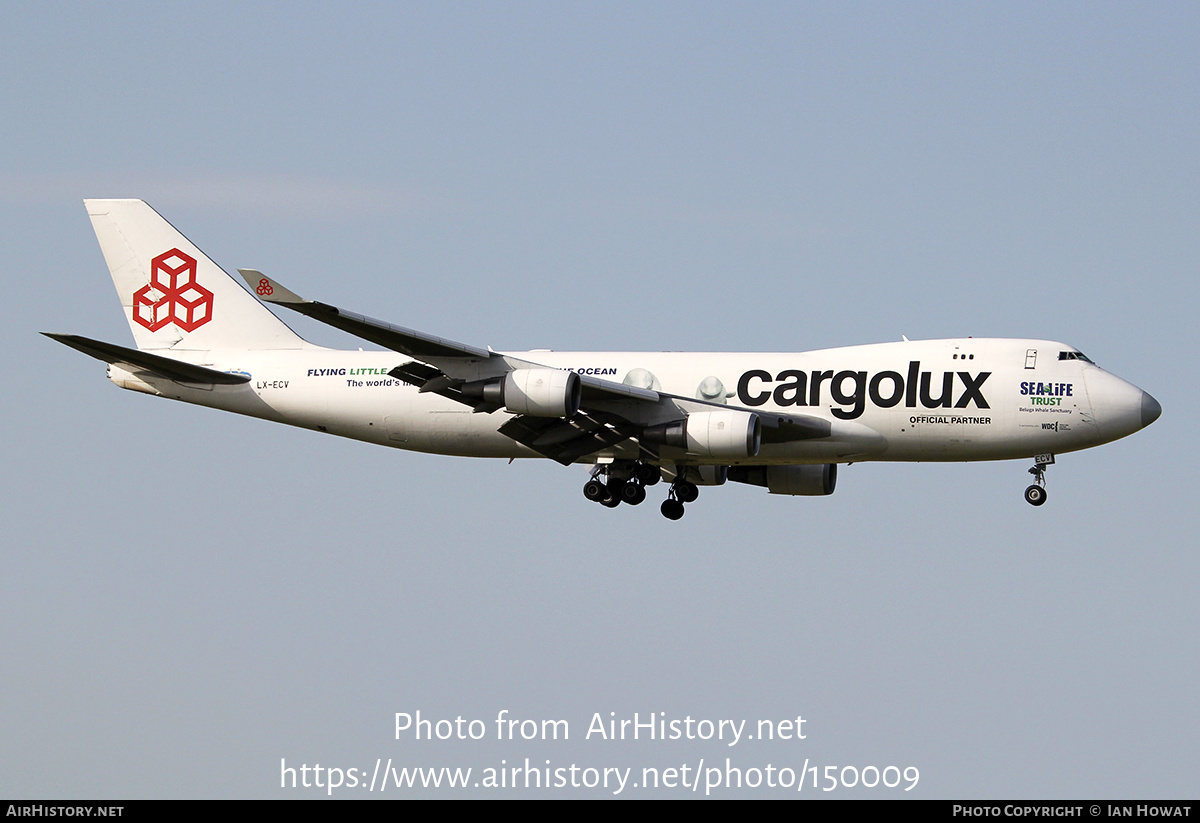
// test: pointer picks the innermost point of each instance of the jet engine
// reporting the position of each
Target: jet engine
(535, 392)
(731, 435)
(808, 480)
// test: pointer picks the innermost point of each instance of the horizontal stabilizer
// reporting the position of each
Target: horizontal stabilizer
(144, 361)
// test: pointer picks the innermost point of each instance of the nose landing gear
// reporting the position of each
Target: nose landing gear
(1035, 495)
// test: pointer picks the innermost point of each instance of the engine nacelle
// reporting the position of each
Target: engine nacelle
(535, 392)
(724, 435)
(807, 480)
(707, 475)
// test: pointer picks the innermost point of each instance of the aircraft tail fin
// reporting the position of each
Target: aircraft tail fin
(174, 296)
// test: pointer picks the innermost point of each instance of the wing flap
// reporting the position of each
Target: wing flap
(568, 440)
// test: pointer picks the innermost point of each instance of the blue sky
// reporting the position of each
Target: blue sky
(191, 597)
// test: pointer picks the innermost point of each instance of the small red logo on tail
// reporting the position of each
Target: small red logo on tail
(173, 295)
(264, 287)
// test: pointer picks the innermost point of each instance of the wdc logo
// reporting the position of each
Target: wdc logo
(173, 295)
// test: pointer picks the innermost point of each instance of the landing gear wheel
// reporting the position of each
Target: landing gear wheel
(672, 509)
(1035, 495)
(611, 502)
(633, 493)
(594, 490)
(686, 492)
(649, 475)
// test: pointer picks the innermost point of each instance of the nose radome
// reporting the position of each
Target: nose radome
(1150, 409)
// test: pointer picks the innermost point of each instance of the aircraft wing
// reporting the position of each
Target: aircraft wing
(397, 338)
(609, 412)
(456, 361)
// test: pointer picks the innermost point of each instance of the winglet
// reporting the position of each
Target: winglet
(268, 290)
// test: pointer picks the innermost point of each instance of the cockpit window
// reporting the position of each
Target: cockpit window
(1074, 355)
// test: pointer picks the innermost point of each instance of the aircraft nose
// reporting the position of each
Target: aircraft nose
(1119, 407)
(1150, 409)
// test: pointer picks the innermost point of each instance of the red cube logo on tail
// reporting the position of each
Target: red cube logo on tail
(173, 295)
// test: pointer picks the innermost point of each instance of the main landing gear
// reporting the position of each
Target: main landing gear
(682, 491)
(615, 484)
(1035, 495)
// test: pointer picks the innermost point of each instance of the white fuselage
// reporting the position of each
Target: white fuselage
(935, 400)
